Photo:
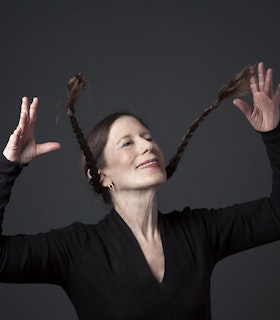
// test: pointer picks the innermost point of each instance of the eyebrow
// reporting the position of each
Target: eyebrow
(123, 137)
(129, 136)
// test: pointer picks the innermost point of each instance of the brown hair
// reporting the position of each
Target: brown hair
(239, 85)
(93, 146)
(97, 140)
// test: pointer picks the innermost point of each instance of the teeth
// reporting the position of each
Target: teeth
(148, 164)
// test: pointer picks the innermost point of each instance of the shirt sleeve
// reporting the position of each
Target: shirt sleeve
(9, 171)
(242, 226)
(44, 257)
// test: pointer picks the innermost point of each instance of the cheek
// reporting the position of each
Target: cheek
(118, 162)
(160, 153)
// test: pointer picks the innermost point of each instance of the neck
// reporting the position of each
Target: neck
(139, 211)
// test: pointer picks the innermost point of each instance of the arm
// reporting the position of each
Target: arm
(247, 225)
(20, 149)
(254, 223)
(41, 257)
(45, 257)
(224, 231)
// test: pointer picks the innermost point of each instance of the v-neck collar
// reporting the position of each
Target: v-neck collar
(125, 227)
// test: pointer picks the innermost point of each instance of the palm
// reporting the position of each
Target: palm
(264, 115)
(26, 149)
(21, 146)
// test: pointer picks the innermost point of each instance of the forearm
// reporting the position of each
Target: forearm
(9, 171)
(272, 143)
(247, 225)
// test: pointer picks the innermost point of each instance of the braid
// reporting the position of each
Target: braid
(75, 85)
(238, 85)
(173, 163)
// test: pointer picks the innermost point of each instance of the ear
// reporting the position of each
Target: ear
(103, 177)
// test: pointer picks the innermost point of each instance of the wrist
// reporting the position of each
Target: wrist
(11, 160)
(271, 132)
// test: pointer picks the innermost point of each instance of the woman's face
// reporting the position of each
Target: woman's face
(133, 160)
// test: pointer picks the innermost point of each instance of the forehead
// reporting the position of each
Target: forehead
(126, 125)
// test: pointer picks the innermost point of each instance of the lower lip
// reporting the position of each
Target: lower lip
(154, 165)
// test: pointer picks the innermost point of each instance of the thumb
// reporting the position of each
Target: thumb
(47, 147)
(243, 106)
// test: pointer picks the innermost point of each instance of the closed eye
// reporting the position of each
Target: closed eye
(126, 143)
(148, 136)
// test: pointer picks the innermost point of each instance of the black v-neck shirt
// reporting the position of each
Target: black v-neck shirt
(104, 272)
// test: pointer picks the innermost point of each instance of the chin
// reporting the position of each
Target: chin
(156, 181)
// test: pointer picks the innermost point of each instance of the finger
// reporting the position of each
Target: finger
(11, 148)
(276, 96)
(243, 106)
(25, 106)
(23, 119)
(268, 84)
(33, 110)
(47, 147)
(15, 136)
(254, 83)
(261, 75)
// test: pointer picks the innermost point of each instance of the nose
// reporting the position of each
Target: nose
(146, 146)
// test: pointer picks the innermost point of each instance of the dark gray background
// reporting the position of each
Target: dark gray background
(165, 60)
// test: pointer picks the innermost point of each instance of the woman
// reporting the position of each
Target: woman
(138, 263)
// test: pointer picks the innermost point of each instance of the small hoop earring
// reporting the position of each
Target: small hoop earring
(111, 186)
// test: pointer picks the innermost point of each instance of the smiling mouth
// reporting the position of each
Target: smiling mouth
(149, 164)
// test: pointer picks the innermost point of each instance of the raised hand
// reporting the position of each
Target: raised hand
(22, 146)
(264, 114)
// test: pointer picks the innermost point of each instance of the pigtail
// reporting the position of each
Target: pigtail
(75, 85)
(239, 85)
